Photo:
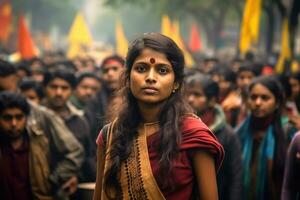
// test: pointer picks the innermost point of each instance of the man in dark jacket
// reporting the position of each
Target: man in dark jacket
(65, 166)
(202, 96)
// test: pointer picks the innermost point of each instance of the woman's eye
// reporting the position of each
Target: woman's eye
(163, 70)
(140, 68)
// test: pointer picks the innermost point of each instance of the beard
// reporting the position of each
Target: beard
(12, 134)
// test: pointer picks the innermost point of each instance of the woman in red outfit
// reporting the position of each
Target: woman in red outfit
(155, 148)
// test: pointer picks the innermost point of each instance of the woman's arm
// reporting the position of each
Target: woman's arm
(204, 167)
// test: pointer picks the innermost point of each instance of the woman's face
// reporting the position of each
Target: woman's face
(262, 102)
(197, 98)
(295, 85)
(152, 78)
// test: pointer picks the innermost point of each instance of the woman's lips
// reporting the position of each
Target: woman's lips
(150, 90)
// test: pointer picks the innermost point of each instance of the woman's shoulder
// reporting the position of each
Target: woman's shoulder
(197, 136)
(192, 121)
(296, 140)
(103, 134)
(195, 131)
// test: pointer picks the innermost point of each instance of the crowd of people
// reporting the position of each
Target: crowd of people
(147, 127)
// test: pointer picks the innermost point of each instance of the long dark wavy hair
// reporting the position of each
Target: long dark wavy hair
(128, 115)
(274, 86)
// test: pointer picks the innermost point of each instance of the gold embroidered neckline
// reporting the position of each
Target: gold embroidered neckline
(149, 128)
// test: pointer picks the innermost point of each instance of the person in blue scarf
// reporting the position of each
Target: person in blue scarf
(263, 137)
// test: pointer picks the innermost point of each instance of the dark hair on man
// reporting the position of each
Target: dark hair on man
(129, 117)
(35, 60)
(113, 57)
(84, 75)
(24, 67)
(6, 68)
(27, 84)
(65, 65)
(13, 100)
(210, 87)
(228, 74)
(249, 68)
(295, 75)
(62, 74)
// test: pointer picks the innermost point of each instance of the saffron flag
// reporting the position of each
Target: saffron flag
(79, 36)
(249, 31)
(121, 41)
(5, 20)
(176, 36)
(195, 40)
(166, 26)
(26, 47)
(285, 53)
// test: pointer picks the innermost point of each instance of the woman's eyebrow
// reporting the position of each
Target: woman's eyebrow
(156, 64)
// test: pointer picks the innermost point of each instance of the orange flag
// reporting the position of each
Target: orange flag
(26, 46)
(195, 40)
(5, 20)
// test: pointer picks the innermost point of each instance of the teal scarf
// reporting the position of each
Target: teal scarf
(265, 153)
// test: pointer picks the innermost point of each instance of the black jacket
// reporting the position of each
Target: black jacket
(229, 177)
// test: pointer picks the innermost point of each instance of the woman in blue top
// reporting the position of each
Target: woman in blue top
(263, 140)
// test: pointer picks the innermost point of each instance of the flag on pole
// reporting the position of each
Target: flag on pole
(285, 53)
(121, 41)
(166, 26)
(5, 20)
(79, 36)
(176, 36)
(249, 31)
(26, 47)
(195, 40)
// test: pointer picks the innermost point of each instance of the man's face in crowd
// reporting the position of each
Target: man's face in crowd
(244, 78)
(31, 95)
(87, 88)
(58, 92)
(111, 73)
(12, 122)
(9, 83)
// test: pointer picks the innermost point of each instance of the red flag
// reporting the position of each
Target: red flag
(195, 40)
(5, 20)
(25, 42)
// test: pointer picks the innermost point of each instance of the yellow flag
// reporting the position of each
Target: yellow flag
(189, 61)
(166, 26)
(285, 53)
(295, 67)
(79, 36)
(249, 31)
(121, 41)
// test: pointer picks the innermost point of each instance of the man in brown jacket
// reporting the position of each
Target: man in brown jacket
(67, 155)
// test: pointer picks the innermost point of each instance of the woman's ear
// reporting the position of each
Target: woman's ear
(175, 86)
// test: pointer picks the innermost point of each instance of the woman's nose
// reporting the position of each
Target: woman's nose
(151, 76)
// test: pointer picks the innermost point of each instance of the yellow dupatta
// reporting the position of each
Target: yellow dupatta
(136, 177)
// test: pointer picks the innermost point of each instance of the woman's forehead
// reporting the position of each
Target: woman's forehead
(152, 56)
